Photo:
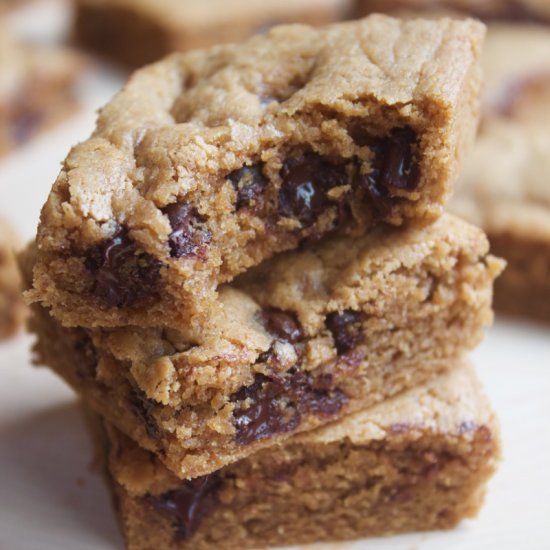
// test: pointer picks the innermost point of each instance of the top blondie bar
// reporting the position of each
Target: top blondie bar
(210, 162)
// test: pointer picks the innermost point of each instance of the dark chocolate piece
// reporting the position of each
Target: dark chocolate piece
(190, 235)
(276, 404)
(250, 184)
(282, 324)
(143, 409)
(188, 505)
(306, 182)
(123, 274)
(394, 167)
(346, 330)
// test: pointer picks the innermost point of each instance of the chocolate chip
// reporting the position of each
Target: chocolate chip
(250, 184)
(284, 325)
(188, 505)
(190, 235)
(306, 182)
(278, 404)
(346, 330)
(123, 274)
(143, 408)
(264, 417)
(394, 167)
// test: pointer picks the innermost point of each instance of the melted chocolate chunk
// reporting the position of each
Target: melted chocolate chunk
(278, 404)
(123, 274)
(188, 505)
(398, 167)
(282, 324)
(306, 182)
(250, 184)
(189, 235)
(394, 167)
(275, 404)
(143, 407)
(346, 330)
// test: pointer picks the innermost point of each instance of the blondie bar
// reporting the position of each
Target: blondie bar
(210, 162)
(36, 88)
(300, 341)
(137, 32)
(505, 183)
(488, 10)
(12, 309)
(417, 462)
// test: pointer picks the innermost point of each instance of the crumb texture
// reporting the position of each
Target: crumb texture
(419, 461)
(302, 340)
(210, 162)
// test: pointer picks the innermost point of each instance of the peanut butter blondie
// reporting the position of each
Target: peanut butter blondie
(210, 162)
(417, 462)
(36, 88)
(301, 341)
(137, 32)
(505, 186)
(12, 308)
(488, 10)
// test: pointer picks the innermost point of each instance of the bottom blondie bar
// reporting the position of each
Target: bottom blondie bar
(416, 462)
(12, 309)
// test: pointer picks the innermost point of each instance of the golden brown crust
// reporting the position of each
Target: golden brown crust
(358, 321)
(418, 461)
(181, 131)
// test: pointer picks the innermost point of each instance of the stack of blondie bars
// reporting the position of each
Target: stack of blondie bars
(246, 274)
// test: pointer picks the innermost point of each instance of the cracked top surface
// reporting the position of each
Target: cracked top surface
(206, 110)
(180, 129)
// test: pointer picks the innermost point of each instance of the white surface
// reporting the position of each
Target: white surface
(50, 498)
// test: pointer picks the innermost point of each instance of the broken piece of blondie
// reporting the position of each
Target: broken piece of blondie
(302, 340)
(210, 162)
